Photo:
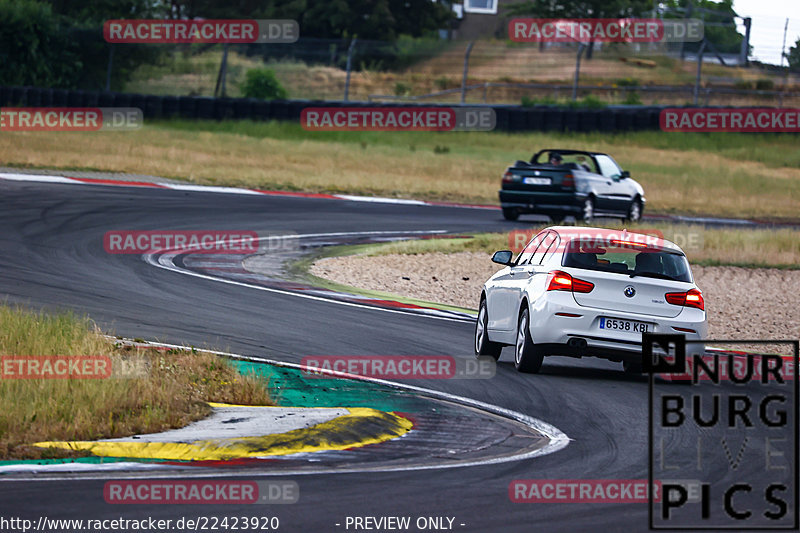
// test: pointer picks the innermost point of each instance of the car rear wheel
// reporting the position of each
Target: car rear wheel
(527, 356)
(509, 213)
(587, 213)
(483, 346)
(634, 211)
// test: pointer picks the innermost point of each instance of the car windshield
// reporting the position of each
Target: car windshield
(648, 262)
(573, 161)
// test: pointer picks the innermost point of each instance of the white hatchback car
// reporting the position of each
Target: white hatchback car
(579, 291)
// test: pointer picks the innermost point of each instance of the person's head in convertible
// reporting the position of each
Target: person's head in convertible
(556, 159)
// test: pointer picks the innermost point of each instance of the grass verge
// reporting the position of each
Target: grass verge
(760, 248)
(712, 174)
(148, 390)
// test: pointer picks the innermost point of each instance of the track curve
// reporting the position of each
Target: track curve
(52, 256)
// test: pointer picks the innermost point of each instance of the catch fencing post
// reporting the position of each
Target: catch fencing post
(699, 69)
(110, 63)
(350, 50)
(223, 72)
(581, 48)
(466, 68)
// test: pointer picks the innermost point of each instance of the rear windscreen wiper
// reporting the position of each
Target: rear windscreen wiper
(654, 275)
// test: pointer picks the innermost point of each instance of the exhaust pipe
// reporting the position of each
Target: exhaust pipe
(577, 342)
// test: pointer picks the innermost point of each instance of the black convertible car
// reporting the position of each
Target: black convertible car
(561, 183)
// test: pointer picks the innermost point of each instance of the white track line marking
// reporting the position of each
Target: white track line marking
(240, 190)
(165, 261)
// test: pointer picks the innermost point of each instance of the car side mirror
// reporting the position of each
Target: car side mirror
(503, 257)
(625, 174)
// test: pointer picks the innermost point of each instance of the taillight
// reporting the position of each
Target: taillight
(561, 281)
(568, 180)
(690, 298)
(507, 177)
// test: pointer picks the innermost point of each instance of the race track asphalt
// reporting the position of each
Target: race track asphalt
(52, 256)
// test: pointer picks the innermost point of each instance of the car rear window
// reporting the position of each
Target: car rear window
(648, 262)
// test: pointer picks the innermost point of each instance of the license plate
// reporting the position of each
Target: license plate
(615, 324)
(536, 181)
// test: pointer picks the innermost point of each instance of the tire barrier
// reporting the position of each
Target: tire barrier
(518, 120)
(509, 118)
(122, 100)
(59, 98)
(503, 117)
(19, 96)
(187, 107)
(223, 108)
(47, 98)
(34, 98)
(204, 108)
(572, 120)
(76, 99)
(153, 106)
(91, 99)
(243, 108)
(553, 119)
(105, 99)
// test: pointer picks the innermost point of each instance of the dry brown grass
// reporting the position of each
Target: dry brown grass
(682, 178)
(148, 391)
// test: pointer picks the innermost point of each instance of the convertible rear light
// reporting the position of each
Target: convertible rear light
(561, 281)
(568, 180)
(690, 298)
(508, 177)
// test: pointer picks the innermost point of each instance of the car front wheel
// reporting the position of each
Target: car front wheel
(587, 213)
(483, 346)
(527, 356)
(635, 211)
(509, 213)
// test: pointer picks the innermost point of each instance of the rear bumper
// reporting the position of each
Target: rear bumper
(554, 332)
(546, 203)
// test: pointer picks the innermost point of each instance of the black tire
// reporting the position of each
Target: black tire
(528, 357)
(631, 367)
(509, 213)
(483, 346)
(587, 211)
(634, 211)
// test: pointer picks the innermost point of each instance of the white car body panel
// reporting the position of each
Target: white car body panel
(506, 290)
